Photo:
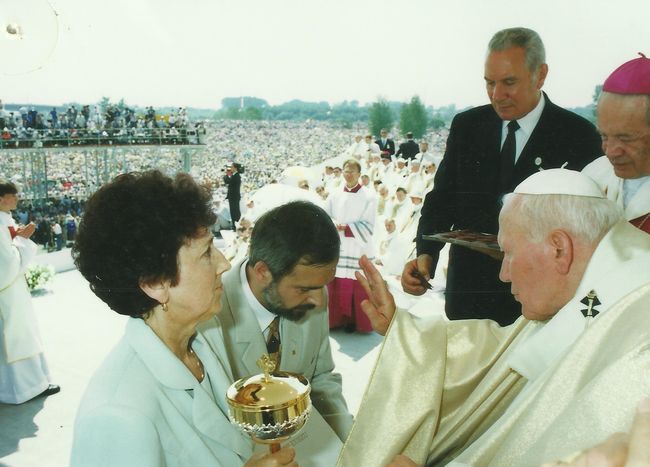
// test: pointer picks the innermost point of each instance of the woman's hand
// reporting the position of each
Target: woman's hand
(284, 456)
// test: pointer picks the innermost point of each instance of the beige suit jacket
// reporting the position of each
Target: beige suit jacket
(305, 350)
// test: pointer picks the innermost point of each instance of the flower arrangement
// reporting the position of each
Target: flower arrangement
(38, 276)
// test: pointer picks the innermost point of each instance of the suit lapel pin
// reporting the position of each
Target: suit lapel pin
(538, 161)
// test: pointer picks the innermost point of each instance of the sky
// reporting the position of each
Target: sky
(195, 52)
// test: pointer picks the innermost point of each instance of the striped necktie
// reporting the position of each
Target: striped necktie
(273, 345)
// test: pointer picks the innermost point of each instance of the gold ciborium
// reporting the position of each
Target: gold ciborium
(271, 406)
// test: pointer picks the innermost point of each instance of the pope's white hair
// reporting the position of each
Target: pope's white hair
(586, 218)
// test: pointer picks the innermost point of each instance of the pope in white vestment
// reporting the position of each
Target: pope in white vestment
(470, 393)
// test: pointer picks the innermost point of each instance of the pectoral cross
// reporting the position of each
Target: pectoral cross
(591, 300)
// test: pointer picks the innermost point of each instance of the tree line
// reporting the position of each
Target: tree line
(412, 116)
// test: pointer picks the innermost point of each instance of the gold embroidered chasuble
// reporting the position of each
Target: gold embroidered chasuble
(445, 391)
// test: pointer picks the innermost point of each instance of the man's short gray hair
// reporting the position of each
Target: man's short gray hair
(525, 38)
(588, 219)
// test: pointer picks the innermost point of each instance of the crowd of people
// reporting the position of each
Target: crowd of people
(264, 148)
(94, 125)
(544, 368)
(395, 184)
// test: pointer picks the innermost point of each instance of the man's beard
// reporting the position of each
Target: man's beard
(274, 303)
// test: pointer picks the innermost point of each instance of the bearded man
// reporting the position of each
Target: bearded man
(275, 302)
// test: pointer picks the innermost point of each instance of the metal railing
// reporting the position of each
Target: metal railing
(76, 137)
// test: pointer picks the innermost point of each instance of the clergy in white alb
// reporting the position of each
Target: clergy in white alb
(24, 373)
(352, 208)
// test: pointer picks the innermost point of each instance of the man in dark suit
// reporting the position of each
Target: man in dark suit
(486, 156)
(233, 180)
(409, 148)
(386, 145)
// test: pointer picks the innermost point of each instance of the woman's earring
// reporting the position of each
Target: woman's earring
(164, 306)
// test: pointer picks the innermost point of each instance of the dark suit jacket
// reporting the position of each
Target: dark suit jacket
(408, 149)
(234, 184)
(466, 195)
(388, 147)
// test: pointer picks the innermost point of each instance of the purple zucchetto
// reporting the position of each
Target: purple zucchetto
(631, 77)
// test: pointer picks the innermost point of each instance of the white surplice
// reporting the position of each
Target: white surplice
(357, 211)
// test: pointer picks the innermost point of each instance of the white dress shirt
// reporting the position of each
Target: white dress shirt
(527, 124)
(264, 316)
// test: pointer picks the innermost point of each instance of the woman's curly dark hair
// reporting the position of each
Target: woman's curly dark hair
(131, 232)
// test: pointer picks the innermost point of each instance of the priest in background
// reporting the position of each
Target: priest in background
(353, 209)
(624, 124)
(24, 373)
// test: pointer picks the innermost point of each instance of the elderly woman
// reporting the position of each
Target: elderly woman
(145, 247)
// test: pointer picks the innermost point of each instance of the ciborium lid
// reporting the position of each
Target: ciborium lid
(270, 406)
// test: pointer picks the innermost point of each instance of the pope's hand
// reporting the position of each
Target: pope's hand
(402, 461)
(414, 270)
(380, 305)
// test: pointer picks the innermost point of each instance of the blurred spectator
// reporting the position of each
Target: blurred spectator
(409, 148)
(232, 179)
(116, 124)
(58, 235)
(386, 144)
